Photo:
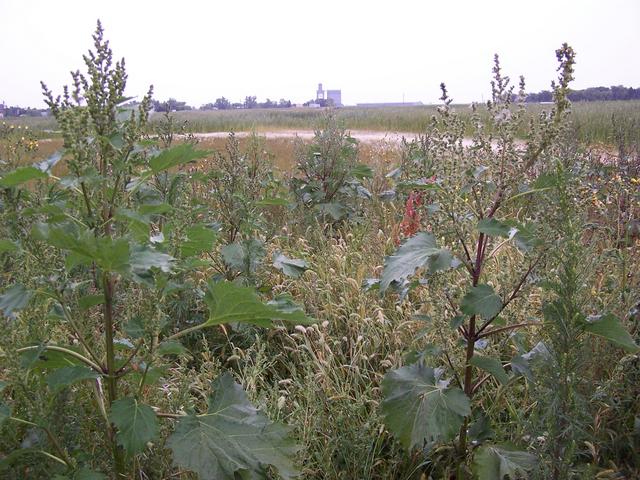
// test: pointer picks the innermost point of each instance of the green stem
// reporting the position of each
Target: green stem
(112, 381)
(184, 332)
(54, 441)
(55, 348)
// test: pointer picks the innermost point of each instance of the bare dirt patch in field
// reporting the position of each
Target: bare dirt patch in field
(364, 136)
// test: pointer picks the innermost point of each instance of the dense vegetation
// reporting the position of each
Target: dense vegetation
(592, 94)
(472, 311)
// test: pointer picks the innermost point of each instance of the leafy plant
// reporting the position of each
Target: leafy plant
(330, 179)
(101, 221)
(476, 199)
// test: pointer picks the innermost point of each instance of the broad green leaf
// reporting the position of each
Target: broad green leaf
(492, 366)
(361, 171)
(7, 246)
(144, 259)
(494, 228)
(336, 211)
(154, 209)
(181, 154)
(200, 238)
(483, 301)
(171, 347)
(116, 140)
(418, 251)
(111, 255)
(419, 408)
(609, 327)
(137, 424)
(88, 301)
(63, 377)
(480, 430)
(5, 412)
(134, 328)
(233, 439)
(293, 267)
(20, 176)
(15, 298)
(138, 223)
(525, 238)
(244, 256)
(229, 303)
(42, 358)
(495, 462)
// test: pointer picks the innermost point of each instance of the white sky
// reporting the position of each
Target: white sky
(374, 51)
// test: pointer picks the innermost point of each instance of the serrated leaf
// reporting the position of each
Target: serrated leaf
(609, 327)
(293, 267)
(172, 157)
(145, 258)
(88, 301)
(21, 175)
(233, 439)
(480, 430)
(171, 347)
(63, 377)
(336, 211)
(137, 424)
(244, 256)
(418, 251)
(419, 408)
(495, 462)
(492, 366)
(481, 300)
(42, 358)
(229, 303)
(525, 238)
(134, 328)
(14, 298)
(494, 228)
(361, 171)
(200, 238)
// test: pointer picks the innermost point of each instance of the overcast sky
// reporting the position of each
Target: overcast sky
(374, 51)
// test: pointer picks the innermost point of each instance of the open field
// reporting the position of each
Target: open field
(593, 122)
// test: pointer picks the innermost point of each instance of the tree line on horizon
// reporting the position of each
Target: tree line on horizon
(592, 94)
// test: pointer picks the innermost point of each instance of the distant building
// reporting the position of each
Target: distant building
(328, 97)
(335, 97)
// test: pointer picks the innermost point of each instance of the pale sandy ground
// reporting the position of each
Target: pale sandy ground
(364, 136)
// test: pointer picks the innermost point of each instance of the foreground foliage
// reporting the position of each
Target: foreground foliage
(476, 304)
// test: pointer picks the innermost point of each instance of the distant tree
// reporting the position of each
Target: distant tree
(591, 94)
(268, 104)
(222, 103)
(250, 102)
(208, 106)
(284, 103)
(171, 105)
